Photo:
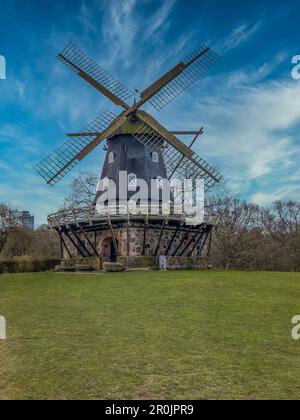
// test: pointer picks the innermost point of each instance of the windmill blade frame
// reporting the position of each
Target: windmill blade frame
(75, 59)
(180, 78)
(179, 160)
(65, 158)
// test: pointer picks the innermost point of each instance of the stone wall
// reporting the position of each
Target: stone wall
(94, 262)
(181, 263)
(139, 262)
(130, 244)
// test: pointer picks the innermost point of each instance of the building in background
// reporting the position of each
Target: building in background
(27, 220)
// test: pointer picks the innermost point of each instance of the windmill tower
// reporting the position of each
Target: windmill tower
(138, 144)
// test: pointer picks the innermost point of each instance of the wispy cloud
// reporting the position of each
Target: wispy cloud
(5, 166)
(252, 135)
(288, 192)
(241, 34)
(120, 29)
(158, 20)
(249, 119)
(257, 74)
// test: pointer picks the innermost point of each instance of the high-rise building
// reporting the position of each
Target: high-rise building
(27, 220)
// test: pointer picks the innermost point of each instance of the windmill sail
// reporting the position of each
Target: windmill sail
(64, 159)
(74, 58)
(184, 75)
(176, 161)
(179, 158)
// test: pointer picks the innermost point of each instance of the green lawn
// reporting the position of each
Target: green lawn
(150, 335)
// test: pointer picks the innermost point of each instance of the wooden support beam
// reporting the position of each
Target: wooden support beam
(128, 232)
(160, 237)
(201, 232)
(194, 237)
(172, 241)
(82, 244)
(210, 241)
(64, 243)
(61, 247)
(207, 232)
(95, 240)
(145, 235)
(89, 241)
(74, 243)
(184, 238)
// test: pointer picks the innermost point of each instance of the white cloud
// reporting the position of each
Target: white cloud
(261, 72)
(290, 192)
(248, 125)
(241, 34)
(250, 132)
(158, 20)
(120, 29)
(5, 166)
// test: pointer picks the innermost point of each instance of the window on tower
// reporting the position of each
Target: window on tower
(106, 182)
(159, 183)
(132, 180)
(111, 157)
(155, 157)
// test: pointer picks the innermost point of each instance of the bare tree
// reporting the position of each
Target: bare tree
(34, 243)
(83, 191)
(9, 219)
(282, 220)
(282, 223)
(235, 220)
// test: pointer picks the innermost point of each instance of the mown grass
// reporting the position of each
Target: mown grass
(150, 335)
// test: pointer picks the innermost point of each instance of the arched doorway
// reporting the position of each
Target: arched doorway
(108, 252)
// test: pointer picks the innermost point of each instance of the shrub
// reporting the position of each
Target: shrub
(27, 265)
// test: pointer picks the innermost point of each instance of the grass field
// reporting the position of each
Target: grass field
(150, 335)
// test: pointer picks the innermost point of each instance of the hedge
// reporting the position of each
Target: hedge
(27, 265)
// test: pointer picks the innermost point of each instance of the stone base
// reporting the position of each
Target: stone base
(173, 263)
(181, 263)
(113, 267)
(139, 262)
(94, 262)
(138, 245)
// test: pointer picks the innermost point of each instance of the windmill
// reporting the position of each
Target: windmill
(134, 132)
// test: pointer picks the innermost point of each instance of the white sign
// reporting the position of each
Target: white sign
(163, 265)
(2, 328)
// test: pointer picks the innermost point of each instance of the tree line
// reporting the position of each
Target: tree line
(250, 237)
(246, 236)
(16, 241)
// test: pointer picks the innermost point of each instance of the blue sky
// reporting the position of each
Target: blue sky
(249, 104)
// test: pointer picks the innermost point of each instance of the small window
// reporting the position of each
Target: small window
(111, 158)
(106, 182)
(132, 180)
(159, 183)
(155, 157)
